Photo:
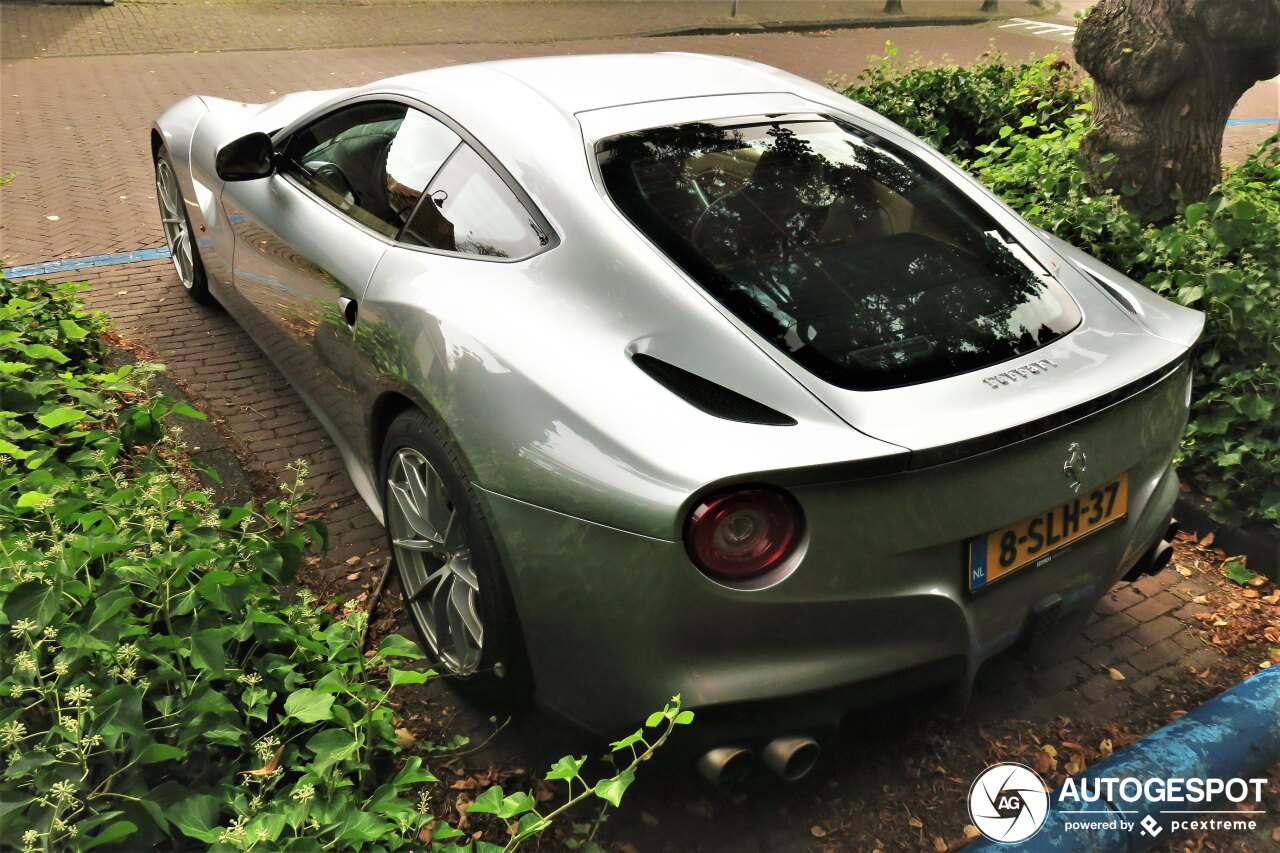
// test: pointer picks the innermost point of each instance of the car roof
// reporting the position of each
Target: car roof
(574, 84)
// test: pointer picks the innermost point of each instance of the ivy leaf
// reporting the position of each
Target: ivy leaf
(612, 789)
(566, 768)
(397, 677)
(1237, 572)
(44, 351)
(400, 647)
(61, 416)
(330, 746)
(188, 411)
(518, 803)
(33, 601)
(308, 706)
(490, 802)
(73, 330)
(29, 499)
(361, 826)
(13, 450)
(114, 832)
(412, 773)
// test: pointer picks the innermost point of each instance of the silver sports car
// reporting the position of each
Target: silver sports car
(680, 374)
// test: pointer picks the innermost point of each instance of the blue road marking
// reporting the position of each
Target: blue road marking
(49, 267)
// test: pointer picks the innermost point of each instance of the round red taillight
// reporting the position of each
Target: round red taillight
(740, 534)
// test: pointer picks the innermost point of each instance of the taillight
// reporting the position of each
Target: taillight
(740, 534)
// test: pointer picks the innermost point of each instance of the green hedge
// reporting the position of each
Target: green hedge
(1018, 129)
(157, 687)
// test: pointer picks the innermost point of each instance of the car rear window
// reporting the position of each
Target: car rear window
(863, 264)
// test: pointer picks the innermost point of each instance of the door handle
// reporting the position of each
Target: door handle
(350, 308)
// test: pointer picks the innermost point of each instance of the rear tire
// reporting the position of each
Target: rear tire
(455, 589)
(178, 233)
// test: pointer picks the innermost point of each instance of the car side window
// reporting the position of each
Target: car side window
(371, 160)
(470, 209)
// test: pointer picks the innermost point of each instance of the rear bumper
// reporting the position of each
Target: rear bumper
(616, 623)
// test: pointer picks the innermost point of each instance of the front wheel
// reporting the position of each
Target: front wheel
(454, 586)
(178, 234)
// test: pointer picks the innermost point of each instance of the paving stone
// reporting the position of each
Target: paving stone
(1156, 630)
(1102, 687)
(1113, 653)
(1153, 585)
(1109, 626)
(1120, 598)
(1061, 676)
(1163, 602)
(1149, 660)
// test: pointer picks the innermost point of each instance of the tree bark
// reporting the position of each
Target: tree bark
(1166, 74)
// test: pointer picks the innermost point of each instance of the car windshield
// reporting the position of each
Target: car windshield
(857, 260)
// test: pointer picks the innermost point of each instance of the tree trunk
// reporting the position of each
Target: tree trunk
(1166, 74)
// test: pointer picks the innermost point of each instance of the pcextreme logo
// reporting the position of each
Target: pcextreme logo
(1008, 802)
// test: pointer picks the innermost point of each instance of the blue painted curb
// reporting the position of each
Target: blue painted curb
(66, 264)
(1234, 735)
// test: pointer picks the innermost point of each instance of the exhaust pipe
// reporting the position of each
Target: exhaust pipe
(1157, 558)
(726, 766)
(1160, 558)
(791, 757)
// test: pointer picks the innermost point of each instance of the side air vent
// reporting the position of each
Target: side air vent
(708, 396)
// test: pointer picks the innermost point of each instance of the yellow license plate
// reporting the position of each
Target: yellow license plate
(1030, 540)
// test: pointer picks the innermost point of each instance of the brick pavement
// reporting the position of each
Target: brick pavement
(75, 129)
(183, 27)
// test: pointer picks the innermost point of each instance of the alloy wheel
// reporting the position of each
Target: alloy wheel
(177, 234)
(434, 557)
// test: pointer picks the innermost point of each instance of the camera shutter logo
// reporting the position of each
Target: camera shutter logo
(1008, 802)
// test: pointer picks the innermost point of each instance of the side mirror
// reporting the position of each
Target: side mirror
(246, 159)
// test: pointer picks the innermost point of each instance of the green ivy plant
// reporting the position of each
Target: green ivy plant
(1018, 129)
(161, 684)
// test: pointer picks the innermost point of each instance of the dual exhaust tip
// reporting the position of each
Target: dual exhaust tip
(790, 758)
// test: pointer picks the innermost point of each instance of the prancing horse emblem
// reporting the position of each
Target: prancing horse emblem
(1075, 466)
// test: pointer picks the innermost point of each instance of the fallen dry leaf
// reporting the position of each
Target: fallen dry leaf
(971, 831)
(405, 738)
(1106, 747)
(1200, 599)
(939, 844)
(1184, 571)
(270, 767)
(353, 576)
(817, 831)
(1207, 541)
(1116, 675)
(915, 822)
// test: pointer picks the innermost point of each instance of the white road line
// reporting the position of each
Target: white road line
(1041, 28)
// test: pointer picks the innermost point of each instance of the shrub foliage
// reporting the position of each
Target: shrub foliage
(160, 685)
(1018, 129)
